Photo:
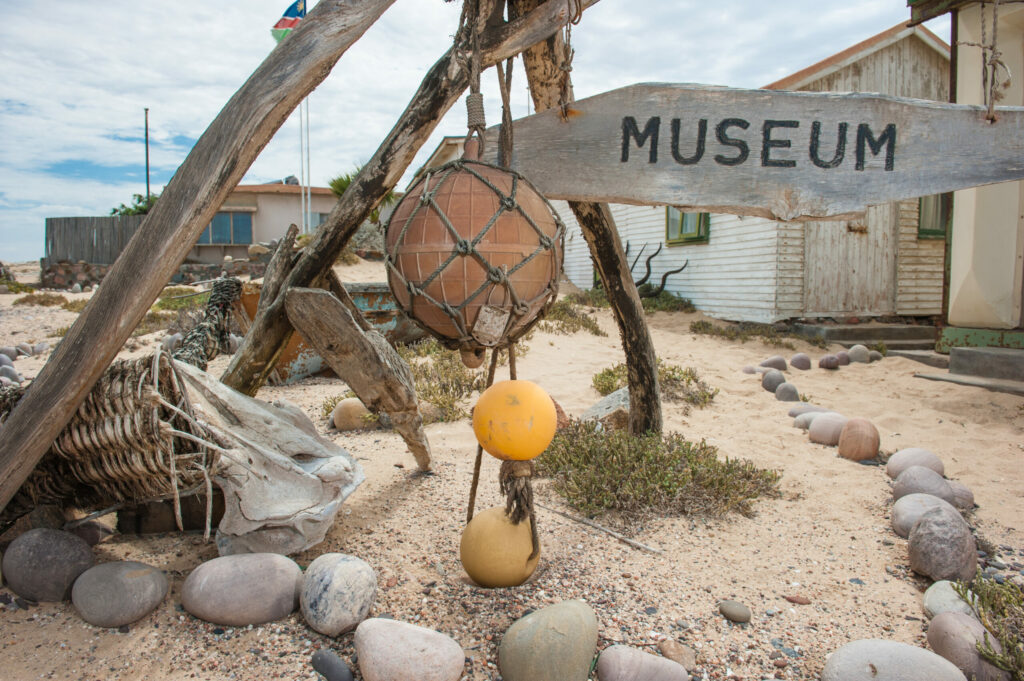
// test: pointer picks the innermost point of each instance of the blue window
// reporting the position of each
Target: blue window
(221, 227)
(204, 238)
(228, 228)
(241, 228)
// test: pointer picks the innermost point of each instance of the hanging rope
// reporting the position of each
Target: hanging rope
(479, 449)
(992, 64)
(565, 97)
(469, 36)
(505, 135)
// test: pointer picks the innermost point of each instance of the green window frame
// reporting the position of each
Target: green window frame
(228, 227)
(686, 228)
(934, 214)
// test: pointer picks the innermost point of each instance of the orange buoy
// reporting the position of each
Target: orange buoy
(514, 420)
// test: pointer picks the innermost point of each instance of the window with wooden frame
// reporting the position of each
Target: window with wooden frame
(933, 216)
(686, 228)
(228, 228)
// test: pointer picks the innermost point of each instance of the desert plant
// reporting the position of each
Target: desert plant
(440, 377)
(595, 297)
(76, 305)
(677, 384)
(745, 331)
(565, 317)
(1000, 608)
(174, 298)
(664, 301)
(880, 347)
(600, 471)
(41, 299)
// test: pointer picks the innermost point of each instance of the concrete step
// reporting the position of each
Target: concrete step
(929, 357)
(868, 334)
(1006, 364)
(996, 384)
(890, 344)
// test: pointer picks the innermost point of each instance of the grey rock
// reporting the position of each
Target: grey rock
(679, 653)
(555, 643)
(941, 546)
(829, 362)
(11, 374)
(171, 342)
(389, 650)
(40, 347)
(734, 611)
(804, 421)
(623, 663)
(749, 370)
(772, 379)
(878, 660)
(875, 355)
(955, 636)
(787, 392)
(10, 351)
(777, 362)
(963, 497)
(826, 429)
(77, 288)
(92, 532)
(913, 456)
(330, 666)
(940, 597)
(42, 564)
(612, 411)
(6, 381)
(337, 593)
(243, 589)
(843, 357)
(806, 407)
(24, 349)
(859, 353)
(118, 593)
(800, 361)
(918, 479)
(6, 361)
(909, 508)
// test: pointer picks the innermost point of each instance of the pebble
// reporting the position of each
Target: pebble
(772, 379)
(843, 357)
(172, 342)
(40, 347)
(858, 440)
(24, 349)
(859, 353)
(92, 532)
(351, 414)
(940, 597)
(805, 408)
(777, 362)
(878, 660)
(118, 593)
(42, 564)
(555, 643)
(749, 370)
(243, 589)
(623, 663)
(908, 510)
(941, 546)
(330, 666)
(963, 497)
(913, 456)
(804, 421)
(389, 650)
(10, 351)
(800, 361)
(77, 288)
(679, 653)
(826, 429)
(11, 374)
(875, 355)
(955, 636)
(918, 479)
(734, 611)
(828, 362)
(787, 392)
(799, 600)
(337, 593)
(6, 361)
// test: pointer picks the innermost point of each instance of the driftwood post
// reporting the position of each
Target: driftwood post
(439, 90)
(212, 169)
(544, 64)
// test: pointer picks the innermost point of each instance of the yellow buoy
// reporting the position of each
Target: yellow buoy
(514, 420)
(495, 552)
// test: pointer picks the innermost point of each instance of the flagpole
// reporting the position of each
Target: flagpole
(309, 174)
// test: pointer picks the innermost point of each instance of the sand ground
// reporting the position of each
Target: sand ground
(830, 526)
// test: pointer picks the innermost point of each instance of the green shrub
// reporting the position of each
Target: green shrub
(154, 321)
(41, 299)
(565, 317)
(665, 301)
(76, 305)
(601, 471)
(595, 297)
(677, 384)
(1000, 608)
(880, 347)
(440, 377)
(16, 286)
(745, 331)
(175, 298)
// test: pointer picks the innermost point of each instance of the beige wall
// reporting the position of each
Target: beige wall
(987, 260)
(274, 212)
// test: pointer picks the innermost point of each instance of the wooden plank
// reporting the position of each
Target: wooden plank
(215, 165)
(364, 360)
(783, 155)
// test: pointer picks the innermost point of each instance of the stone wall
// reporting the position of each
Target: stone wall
(64, 275)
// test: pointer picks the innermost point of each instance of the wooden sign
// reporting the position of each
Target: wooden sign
(784, 155)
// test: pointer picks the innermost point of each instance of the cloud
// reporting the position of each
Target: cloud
(79, 75)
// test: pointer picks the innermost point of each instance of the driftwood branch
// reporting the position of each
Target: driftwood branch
(215, 165)
(545, 66)
(440, 89)
(590, 523)
(278, 268)
(364, 360)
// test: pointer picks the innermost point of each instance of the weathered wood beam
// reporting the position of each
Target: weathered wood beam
(215, 165)
(364, 360)
(439, 90)
(544, 65)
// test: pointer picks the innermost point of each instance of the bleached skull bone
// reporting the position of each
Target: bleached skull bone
(283, 484)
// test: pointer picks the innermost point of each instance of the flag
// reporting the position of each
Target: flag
(289, 20)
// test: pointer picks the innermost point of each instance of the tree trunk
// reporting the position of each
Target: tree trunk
(439, 90)
(543, 64)
(212, 169)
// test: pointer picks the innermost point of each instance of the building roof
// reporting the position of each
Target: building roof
(279, 188)
(923, 10)
(857, 52)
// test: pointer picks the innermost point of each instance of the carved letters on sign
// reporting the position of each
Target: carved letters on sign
(691, 150)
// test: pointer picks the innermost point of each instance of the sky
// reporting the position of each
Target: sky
(75, 78)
